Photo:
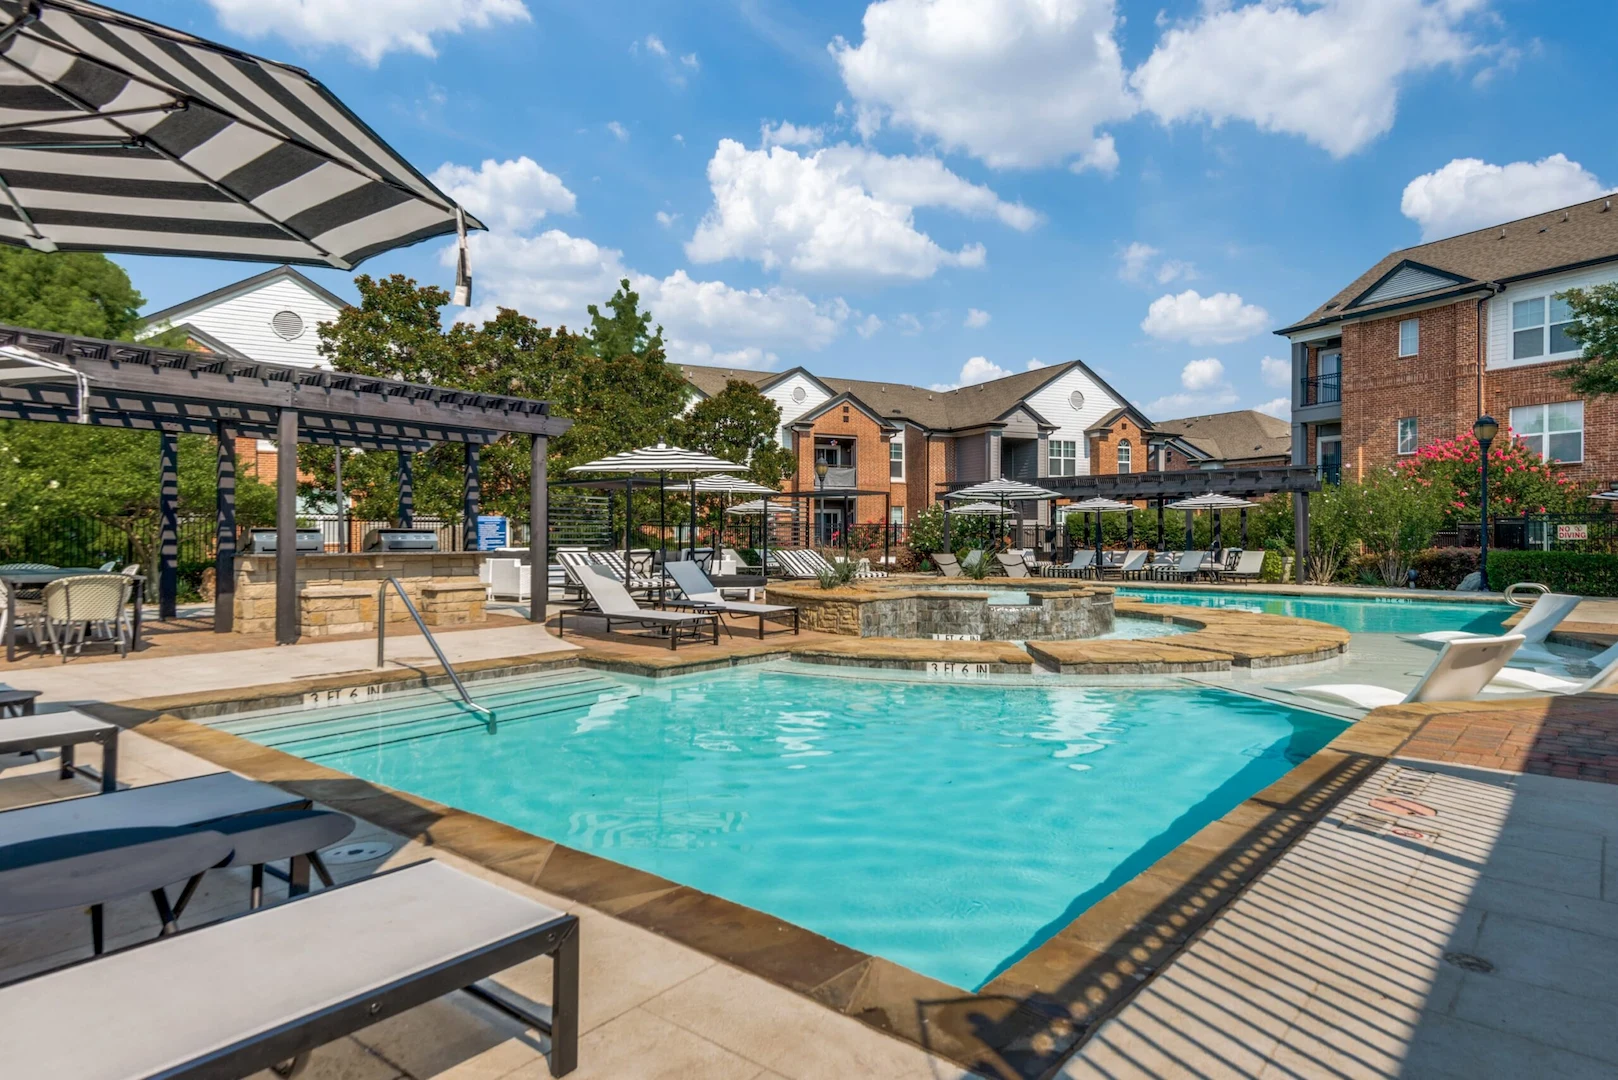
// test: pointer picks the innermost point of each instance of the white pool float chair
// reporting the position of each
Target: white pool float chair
(1458, 673)
(1605, 663)
(1546, 614)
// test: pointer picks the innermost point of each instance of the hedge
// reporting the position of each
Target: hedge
(1584, 573)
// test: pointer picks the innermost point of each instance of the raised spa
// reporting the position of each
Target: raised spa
(974, 611)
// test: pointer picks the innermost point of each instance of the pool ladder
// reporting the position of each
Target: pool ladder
(382, 639)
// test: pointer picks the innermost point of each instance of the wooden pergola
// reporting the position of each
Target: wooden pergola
(174, 392)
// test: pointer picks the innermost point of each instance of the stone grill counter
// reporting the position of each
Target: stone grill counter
(337, 593)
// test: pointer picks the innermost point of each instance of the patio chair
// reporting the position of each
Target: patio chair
(132, 570)
(638, 568)
(1247, 567)
(1545, 615)
(1134, 562)
(972, 558)
(613, 604)
(792, 564)
(253, 992)
(731, 555)
(1606, 674)
(1078, 566)
(511, 578)
(71, 605)
(947, 564)
(1187, 569)
(1013, 564)
(701, 593)
(1458, 673)
(109, 566)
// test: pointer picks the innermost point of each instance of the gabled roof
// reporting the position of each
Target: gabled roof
(844, 398)
(1579, 235)
(247, 285)
(1242, 435)
(198, 336)
(1112, 418)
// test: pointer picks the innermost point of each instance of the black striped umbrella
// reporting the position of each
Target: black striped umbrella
(118, 134)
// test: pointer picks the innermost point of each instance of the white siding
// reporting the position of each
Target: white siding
(781, 394)
(243, 323)
(1053, 402)
(1499, 316)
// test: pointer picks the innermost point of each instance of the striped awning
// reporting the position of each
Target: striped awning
(661, 458)
(121, 135)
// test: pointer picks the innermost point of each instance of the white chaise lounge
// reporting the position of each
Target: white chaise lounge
(1458, 673)
(613, 604)
(703, 594)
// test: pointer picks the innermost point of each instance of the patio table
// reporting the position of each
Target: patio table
(17, 580)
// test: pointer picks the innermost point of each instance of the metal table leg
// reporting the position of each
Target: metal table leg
(109, 761)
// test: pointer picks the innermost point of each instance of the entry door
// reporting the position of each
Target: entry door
(1329, 457)
(1331, 372)
(829, 525)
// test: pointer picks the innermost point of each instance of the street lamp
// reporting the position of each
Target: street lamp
(1485, 428)
(821, 469)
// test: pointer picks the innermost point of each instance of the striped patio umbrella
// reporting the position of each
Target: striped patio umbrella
(663, 461)
(1099, 506)
(757, 506)
(725, 484)
(978, 508)
(122, 135)
(1216, 503)
(1010, 490)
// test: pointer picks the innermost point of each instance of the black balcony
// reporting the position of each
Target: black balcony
(1323, 389)
(1330, 473)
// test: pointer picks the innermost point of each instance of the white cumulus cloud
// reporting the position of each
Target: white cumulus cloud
(1204, 389)
(1276, 372)
(1015, 83)
(868, 326)
(1329, 71)
(1200, 320)
(1471, 194)
(976, 319)
(618, 130)
(1138, 262)
(787, 133)
(357, 25)
(666, 219)
(843, 211)
(1280, 408)
(980, 369)
(514, 194)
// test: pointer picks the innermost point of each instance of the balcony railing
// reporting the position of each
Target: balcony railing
(841, 478)
(1331, 473)
(1323, 389)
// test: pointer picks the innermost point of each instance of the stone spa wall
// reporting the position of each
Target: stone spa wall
(1060, 612)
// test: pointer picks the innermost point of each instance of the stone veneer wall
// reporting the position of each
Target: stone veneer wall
(337, 593)
(1063, 614)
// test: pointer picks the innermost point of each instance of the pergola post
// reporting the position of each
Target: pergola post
(168, 541)
(1244, 528)
(539, 529)
(407, 491)
(887, 525)
(471, 495)
(343, 540)
(286, 529)
(1129, 529)
(1190, 542)
(1300, 535)
(1160, 523)
(224, 601)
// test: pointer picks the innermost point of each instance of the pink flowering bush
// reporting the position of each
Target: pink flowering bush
(1520, 481)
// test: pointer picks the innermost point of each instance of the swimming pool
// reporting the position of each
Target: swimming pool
(949, 828)
(1357, 615)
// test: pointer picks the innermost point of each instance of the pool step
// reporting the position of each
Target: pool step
(416, 716)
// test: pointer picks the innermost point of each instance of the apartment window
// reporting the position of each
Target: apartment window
(1407, 435)
(896, 457)
(896, 515)
(786, 436)
(1064, 457)
(1555, 432)
(1125, 452)
(1409, 337)
(1539, 327)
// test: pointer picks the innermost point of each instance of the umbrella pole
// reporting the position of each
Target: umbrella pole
(1160, 523)
(1244, 528)
(1129, 529)
(1190, 542)
(848, 526)
(764, 532)
(629, 520)
(663, 516)
(1098, 543)
(692, 484)
(1218, 533)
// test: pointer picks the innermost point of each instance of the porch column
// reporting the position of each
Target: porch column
(224, 602)
(286, 528)
(539, 529)
(407, 491)
(471, 495)
(168, 540)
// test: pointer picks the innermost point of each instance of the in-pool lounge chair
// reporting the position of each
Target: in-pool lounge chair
(1518, 679)
(1013, 564)
(947, 564)
(1545, 615)
(252, 992)
(1078, 566)
(613, 604)
(702, 594)
(1458, 673)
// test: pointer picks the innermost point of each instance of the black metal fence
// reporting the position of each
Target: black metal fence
(1597, 532)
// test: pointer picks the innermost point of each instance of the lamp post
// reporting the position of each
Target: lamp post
(821, 468)
(1485, 428)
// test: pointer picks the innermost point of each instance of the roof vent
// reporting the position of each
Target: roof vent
(1502, 235)
(1565, 215)
(1606, 205)
(287, 324)
(798, 394)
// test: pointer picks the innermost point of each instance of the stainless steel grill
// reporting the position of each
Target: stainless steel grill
(401, 540)
(262, 542)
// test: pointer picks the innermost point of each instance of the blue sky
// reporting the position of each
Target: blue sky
(931, 191)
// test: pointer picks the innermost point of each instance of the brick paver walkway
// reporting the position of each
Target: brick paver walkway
(1572, 738)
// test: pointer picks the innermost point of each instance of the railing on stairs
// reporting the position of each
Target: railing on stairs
(382, 638)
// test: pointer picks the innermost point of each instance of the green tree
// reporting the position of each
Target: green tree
(627, 331)
(68, 292)
(739, 424)
(1595, 324)
(1334, 530)
(1520, 481)
(1398, 517)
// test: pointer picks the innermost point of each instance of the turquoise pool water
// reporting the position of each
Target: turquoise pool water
(1358, 615)
(947, 827)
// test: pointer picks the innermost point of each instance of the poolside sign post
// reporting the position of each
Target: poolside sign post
(494, 532)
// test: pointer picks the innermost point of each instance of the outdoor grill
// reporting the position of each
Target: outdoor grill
(262, 542)
(401, 540)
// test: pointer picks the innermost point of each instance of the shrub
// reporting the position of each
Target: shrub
(1584, 573)
(907, 560)
(1520, 481)
(977, 571)
(927, 530)
(1398, 516)
(1443, 567)
(839, 573)
(1274, 563)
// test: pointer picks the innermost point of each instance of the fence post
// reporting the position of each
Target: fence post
(168, 540)
(224, 602)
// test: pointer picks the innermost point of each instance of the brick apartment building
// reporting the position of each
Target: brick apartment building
(909, 441)
(1431, 337)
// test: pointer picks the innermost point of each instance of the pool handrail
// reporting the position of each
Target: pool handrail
(489, 720)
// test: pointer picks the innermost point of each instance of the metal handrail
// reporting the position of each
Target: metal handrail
(382, 638)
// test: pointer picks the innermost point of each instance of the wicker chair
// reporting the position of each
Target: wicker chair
(72, 605)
